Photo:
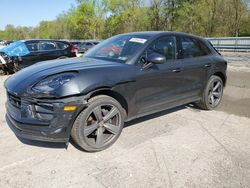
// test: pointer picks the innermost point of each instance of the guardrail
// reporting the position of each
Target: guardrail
(231, 43)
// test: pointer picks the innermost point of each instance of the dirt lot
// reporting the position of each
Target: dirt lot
(183, 147)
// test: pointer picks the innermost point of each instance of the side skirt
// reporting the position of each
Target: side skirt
(167, 107)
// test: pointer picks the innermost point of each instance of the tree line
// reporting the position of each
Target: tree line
(101, 19)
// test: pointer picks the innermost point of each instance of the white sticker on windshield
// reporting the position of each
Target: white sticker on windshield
(139, 40)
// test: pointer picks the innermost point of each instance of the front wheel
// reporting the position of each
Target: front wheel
(212, 94)
(99, 125)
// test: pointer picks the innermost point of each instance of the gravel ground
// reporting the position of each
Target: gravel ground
(239, 62)
(182, 147)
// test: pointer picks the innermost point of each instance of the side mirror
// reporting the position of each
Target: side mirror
(156, 58)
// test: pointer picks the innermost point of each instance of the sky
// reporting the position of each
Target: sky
(31, 12)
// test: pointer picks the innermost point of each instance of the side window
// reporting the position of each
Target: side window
(204, 48)
(165, 46)
(47, 46)
(32, 47)
(193, 48)
(61, 45)
(88, 44)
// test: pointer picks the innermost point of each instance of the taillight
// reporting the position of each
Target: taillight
(73, 49)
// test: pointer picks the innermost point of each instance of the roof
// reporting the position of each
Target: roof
(148, 33)
(29, 40)
(155, 33)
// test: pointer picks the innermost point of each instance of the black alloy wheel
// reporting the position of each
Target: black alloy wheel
(215, 93)
(99, 125)
(212, 94)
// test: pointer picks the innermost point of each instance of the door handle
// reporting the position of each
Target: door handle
(208, 65)
(176, 70)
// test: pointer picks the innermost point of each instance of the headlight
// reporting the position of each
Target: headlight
(51, 83)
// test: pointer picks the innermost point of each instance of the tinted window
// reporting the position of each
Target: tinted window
(32, 47)
(204, 48)
(193, 48)
(45, 46)
(165, 46)
(88, 44)
(83, 44)
(62, 46)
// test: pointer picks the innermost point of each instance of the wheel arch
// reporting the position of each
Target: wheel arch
(111, 93)
(222, 76)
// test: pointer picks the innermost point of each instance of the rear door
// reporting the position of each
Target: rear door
(196, 64)
(48, 50)
(63, 49)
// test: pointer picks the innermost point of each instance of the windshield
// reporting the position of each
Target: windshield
(118, 48)
(16, 49)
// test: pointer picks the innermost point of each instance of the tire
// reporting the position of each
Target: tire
(212, 94)
(99, 125)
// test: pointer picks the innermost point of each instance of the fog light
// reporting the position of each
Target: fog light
(69, 108)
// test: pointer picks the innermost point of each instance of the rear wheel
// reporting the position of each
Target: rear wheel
(212, 94)
(99, 125)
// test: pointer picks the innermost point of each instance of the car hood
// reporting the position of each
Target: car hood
(92, 73)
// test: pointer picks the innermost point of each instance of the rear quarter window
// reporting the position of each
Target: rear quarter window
(193, 48)
(62, 45)
(204, 48)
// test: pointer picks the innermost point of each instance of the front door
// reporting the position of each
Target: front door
(159, 86)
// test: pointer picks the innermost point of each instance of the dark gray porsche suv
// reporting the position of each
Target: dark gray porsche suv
(124, 77)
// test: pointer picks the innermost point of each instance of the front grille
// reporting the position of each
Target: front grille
(31, 110)
(14, 100)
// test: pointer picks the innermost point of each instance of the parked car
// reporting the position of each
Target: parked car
(24, 53)
(90, 98)
(76, 43)
(6, 42)
(85, 46)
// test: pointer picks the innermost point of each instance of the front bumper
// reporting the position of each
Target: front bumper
(43, 120)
